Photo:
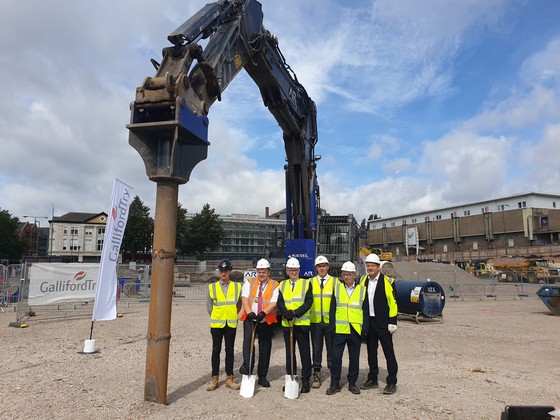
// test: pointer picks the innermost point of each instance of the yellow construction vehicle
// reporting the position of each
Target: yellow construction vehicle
(383, 255)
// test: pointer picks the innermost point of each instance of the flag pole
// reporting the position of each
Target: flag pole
(91, 329)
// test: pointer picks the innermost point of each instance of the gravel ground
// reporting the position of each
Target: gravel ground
(485, 355)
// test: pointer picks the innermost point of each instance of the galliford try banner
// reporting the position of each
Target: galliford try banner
(59, 282)
(105, 306)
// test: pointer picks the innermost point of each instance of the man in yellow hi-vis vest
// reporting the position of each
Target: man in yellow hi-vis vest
(383, 323)
(322, 286)
(223, 304)
(348, 306)
(294, 302)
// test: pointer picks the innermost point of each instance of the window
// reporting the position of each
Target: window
(64, 244)
(73, 245)
(65, 230)
(544, 222)
(414, 220)
(438, 217)
(392, 224)
(88, 231)
(554, 204)
(467, 213)
(475, 245)
(88, 245)
(100, 244)
(101, 231)
(73, 231)
(445, 248)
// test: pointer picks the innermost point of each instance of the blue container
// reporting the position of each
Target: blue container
(550, 295)
(417, 297)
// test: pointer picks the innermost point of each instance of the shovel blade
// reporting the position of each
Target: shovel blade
(291, 387)
(247, 389)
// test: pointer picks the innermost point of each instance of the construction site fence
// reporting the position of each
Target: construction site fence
(134, 288)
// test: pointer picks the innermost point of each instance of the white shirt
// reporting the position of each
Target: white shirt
(350, 289)
(372, 285)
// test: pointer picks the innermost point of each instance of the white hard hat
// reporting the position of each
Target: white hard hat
(321, 259)
(348, 266)
(373, 258)
(292, 263)
(262, 263)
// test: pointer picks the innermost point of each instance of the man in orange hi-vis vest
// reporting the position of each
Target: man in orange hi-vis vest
(259, 298)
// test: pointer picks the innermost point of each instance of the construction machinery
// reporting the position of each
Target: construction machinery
(530, 269)
(384, 255)
(169, 114)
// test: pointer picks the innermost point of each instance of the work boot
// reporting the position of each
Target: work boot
(305, 388)
(333, 389)
(230, 383)
(213, 383)
(316, 380)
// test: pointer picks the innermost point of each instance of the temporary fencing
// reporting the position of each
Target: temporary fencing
(133, 288)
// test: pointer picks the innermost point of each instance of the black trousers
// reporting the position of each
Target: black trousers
(264, 333)
(226, 334)
(321, 332)
(375, 336)
(354, 342)
(301, 338)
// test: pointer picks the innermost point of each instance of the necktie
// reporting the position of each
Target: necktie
(322, 283)
(260, 303)
(293, 284)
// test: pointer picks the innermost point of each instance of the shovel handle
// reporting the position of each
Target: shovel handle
(252, 351)
(291, 350)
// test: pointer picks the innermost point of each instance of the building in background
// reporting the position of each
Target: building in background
(29, 232)
(78, 237)
(522, 224)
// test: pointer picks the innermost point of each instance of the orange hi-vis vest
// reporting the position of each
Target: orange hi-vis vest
(267, 296)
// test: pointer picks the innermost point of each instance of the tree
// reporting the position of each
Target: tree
(204, 232)
(182, 229)
(139, 229)
(11, 246)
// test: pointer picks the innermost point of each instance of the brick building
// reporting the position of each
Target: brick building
(523, 224)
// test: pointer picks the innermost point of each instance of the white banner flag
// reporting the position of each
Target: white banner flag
(105, 306)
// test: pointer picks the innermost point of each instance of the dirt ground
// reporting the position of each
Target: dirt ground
(485, 355)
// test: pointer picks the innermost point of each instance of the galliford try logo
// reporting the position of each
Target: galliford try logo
(119, 213)
(79, 282)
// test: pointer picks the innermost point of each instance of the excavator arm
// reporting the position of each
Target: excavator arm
(174, 104)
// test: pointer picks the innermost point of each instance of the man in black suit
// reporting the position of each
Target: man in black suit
(382, 325)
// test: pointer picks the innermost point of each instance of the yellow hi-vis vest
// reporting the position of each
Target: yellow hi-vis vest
(389, 293)
(321, 299)
(224, 308)
(293, 299)
(349, 308)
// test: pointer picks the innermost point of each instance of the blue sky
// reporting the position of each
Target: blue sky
(421, 104)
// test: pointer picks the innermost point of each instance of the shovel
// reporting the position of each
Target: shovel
(291, 386)
(247, 389)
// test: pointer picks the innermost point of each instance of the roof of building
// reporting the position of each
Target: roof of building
(76, 217)
(474, 203)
